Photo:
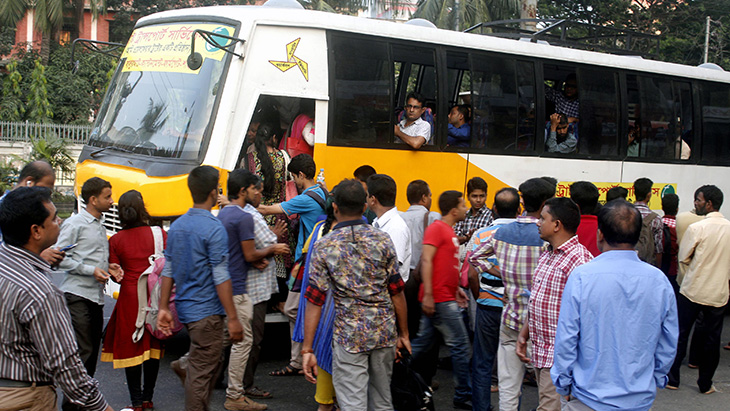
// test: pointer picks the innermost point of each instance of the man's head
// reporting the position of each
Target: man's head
(418, 193)
(244, 187)
(534, 192)
(507, 203)
(562, 128)
(708, 198)
(203, 185)
(459, 115)
(28, 219)
(97, 194)
(585, 194)
(302, 168)
(553, 183)
(415, 106)
(381, 191)
(132, 212)
(570, 87)
(560, 217)
(37, 173)
(616, 192)
(349, 200)
(362, 173)
(670, 204)
(619, 225)
(476, 191)
(642, 189)
(451, 203)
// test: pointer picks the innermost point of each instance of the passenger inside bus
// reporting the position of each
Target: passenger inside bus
(459, 126)
(634, 138)
(560, 135)
(300, 139)
(414, 130)
(566, 101)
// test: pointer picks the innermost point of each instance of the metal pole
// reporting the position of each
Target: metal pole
(707, 38)
(456, 19)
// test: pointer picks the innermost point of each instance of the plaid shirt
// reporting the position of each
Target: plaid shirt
(473, 221)
(657, 227)
(517, 248)
(570, 108)
(260, 284)
(549, 280)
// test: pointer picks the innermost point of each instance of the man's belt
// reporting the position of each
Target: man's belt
(5, 383)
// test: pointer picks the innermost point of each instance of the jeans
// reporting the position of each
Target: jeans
(448, 321)
(486, 342)
(510, 369)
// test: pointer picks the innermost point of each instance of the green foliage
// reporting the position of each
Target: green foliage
(443, 13)
(8, 175)
(52, 149)
(11, 106)
(7, 39)
(39, 107)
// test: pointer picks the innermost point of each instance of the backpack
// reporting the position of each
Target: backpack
(408, 390)
(149, 286)
(645, 248)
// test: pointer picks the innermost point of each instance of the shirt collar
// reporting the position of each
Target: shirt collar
(416, 207)
(350, 223)
(90, 218)
(35, 260)
(481, 211)
(714, 214)
(419, 120)
(566, 246)
(500, 221)
(199, 211)
(386, 217)
(526, 219)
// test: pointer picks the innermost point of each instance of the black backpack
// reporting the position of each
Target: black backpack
(409, 391)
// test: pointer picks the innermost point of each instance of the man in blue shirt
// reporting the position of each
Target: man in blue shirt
(309, 205)
(459, 127)
(197, 264)
(617, 333)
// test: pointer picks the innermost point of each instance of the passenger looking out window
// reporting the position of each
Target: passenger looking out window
(561, 136)
(413, 130)
(459, 127)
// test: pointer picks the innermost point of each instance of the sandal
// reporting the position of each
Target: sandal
(287, 371)
(727, 347)
(258, 393)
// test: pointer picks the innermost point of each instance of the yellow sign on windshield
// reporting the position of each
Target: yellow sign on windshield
(167, 47)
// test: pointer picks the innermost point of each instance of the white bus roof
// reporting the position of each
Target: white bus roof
(263, 15)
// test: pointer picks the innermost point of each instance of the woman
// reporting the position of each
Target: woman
(131, 248)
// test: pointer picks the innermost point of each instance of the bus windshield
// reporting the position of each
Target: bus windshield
(156, 105)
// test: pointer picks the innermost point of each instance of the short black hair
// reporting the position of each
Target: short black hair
(642, 188)
(507, 207)
(201, 181)
(616, 192)
(449, 200)
(552, 181)
(362, 173)
(132, 212)
(670, 204)
(383, 188)
(416, 96)
(463, 109)
(416, 190)
(20, 210)
(562, 119)
(711, 193)
(620, 223)
(476, 183)
(241, 178)
(585, 194)
(93, 188)
(303, 163)
(36, 170)
(565, 210)
(350, 198)
(534, 192)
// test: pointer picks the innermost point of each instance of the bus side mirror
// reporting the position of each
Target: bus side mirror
(195, 60)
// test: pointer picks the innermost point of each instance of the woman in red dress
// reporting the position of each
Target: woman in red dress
(131, 248)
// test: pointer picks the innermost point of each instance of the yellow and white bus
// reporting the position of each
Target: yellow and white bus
(160, 118)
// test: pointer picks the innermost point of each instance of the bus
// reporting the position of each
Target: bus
(161, 117)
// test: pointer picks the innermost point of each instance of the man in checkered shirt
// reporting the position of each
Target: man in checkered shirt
(558, 223)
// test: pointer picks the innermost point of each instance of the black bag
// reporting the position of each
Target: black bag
(409, 391)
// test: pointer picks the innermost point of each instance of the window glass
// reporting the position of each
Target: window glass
(598, 125)
(716, 123)
(525, 106)
(415, 72)
(683, 106)
(459, 103)
(362, 97)
(563, 100)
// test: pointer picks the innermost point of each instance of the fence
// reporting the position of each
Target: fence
(22, 132)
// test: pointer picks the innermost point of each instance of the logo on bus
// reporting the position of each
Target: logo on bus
(292, 60)
(221, 41)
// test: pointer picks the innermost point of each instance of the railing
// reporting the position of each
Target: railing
(22, 132)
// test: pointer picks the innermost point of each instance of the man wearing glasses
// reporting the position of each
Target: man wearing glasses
(413, 130)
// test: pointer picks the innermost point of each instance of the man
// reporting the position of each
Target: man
(517, 248)
(244, 190)
(566, 102)
(488, 291)
(617, 331)
(585, 194)
(362, 174)
(479, 215)
(358, 263)
(558, 223)
(704, 286)
(309, 205)
(616, 192)
(37, 343)
(381, 199)
(642, 190)
(86, 269)
(413, 130)
(197, 264)
(670, 206)
(440, 275)
(459, 128)
(559, 138)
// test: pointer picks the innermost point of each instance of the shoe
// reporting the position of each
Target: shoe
(710, 391)
(147, 405)
(727, 346)
(258, 393)
(692, 366)
(181, 373)
(435, 384)
(671, 387)
(287, 371)
(462, 405)
(132, 408)
(494, 388)
(243, 404)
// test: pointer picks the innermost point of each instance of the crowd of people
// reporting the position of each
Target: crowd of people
(596, 301)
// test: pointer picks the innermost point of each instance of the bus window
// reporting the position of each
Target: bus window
(459, 87)
(683, 105)
(715, 123)
(598, 125)
(361, 107)
(414, 71)
(562, 98)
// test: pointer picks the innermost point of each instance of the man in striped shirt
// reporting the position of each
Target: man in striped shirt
(37, 343)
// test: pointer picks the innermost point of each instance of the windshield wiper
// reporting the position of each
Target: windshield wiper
(101, 150)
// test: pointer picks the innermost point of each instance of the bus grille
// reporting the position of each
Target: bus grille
(111, 221)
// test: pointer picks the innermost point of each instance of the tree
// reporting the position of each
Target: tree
(470, 12)
(40, 111)
(11, 107)
(54, 150)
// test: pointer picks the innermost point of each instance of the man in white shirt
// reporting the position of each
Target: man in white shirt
(381, 199)
(413, 130)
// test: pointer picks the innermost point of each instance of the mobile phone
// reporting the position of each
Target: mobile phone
(68, 247)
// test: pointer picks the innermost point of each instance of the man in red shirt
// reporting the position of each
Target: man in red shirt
(585, 194)
(440, 276)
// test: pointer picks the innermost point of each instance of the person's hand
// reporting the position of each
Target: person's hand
(396, 129)
(165, 321)
(402, 342)
(100, 275)
(109, 408)
(461, 299)
(554, 121)
(427, 305)
(281, 248)
(260, 264)
(115, 270)
(53, 256)
(309, 364)
(223, 201)
(235, 330)
(521, 349)
(279, 228)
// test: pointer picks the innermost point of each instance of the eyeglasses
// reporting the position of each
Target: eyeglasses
(412, 107)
